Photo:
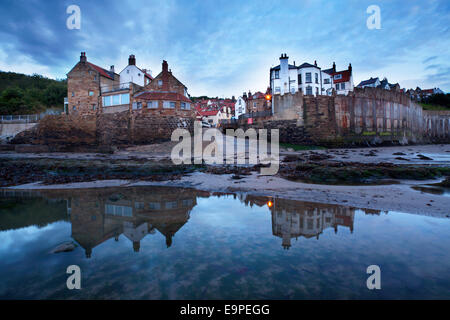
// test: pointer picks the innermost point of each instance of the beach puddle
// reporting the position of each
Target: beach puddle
(172, 243)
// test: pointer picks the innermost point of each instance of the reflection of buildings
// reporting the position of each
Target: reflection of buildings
(102, 214)
(292, 219)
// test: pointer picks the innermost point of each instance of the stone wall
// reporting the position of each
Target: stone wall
(368, 115)
(64, 132)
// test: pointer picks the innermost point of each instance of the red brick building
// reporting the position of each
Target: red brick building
(164, 95)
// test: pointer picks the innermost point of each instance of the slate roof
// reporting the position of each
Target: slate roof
(367, 82)
(103, 72)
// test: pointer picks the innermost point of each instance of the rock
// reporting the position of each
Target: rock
(422, 157)
(401, 158)
(64, 247)
(399, 154)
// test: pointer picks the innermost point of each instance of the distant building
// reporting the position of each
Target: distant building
(376, 83)
(239, 107)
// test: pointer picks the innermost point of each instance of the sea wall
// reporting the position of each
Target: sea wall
(65, 132)
(368, 115)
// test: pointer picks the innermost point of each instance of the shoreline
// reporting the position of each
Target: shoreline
(402, 198)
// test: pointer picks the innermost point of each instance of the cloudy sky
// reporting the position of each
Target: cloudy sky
(222, 48)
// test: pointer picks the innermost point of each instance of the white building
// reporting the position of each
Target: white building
(132, 74)
(372, 83)
(239, 107)
(309, 79)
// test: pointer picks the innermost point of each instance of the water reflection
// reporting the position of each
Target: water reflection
(97, 215)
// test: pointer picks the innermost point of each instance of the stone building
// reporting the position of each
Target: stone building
(93, 90)
(84, 83)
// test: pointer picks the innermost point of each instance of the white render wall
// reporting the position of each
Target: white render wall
(239, 107)
(131, 73)
(315, 87)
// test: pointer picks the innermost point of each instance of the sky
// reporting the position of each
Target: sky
(223, 48)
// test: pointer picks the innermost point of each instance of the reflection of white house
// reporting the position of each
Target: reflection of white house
(308, 223)
(239, 107)
(309, 79)
(132, 74)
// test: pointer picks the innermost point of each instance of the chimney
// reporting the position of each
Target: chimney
(350, 67)
(165, 66)
(83, 57)
(334, 67)
(111, 69)
(132, 60)
(315, 63)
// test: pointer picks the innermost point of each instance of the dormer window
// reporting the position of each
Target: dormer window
(337, 76)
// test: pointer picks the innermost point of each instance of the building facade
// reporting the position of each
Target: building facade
(309, 79)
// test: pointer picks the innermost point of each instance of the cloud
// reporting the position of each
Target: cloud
(227, 47)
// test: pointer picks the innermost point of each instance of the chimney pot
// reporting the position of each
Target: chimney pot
(315, 63)
(83, 57)
(112, 68)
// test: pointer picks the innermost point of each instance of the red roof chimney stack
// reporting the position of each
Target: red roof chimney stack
(83, 57)
(165, 66)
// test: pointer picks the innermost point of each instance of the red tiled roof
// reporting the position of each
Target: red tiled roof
(207, 113)
(167, 96)
(427, 91)
(100, 70)
(345, 76)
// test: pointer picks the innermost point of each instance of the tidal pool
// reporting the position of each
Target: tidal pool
(169, 243)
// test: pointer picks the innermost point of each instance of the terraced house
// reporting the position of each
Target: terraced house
(94, 90)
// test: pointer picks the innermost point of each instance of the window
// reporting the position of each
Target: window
(326, 81)
(95, 78)
(154, 205)
(277, 90)
(116, 99)
(317, 91)
(128, 71)
(137, 105)
(94, 107)
(125, 98)
(300, 78)
(169, 104)
(160, 83)
(139, 205)
(74, 108)
(185, 106)
(171, 205)
(337, 76)
(107, 101)
(277, 74)
(343, 86)
(309, 90)
(308, 77)
(337, 86)
(317, 78)
(73, 94)
(152, 104)
(91, 93)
